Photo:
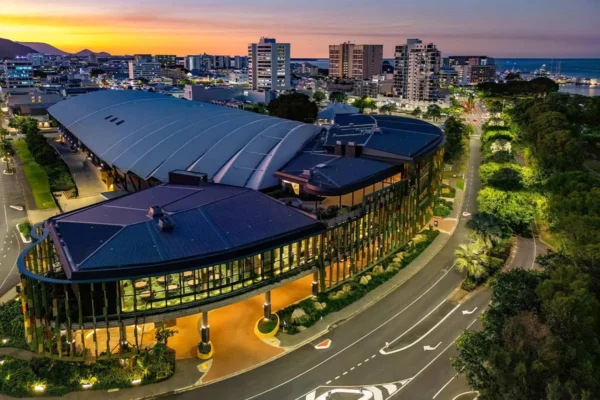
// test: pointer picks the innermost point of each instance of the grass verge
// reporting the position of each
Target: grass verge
(36, 177)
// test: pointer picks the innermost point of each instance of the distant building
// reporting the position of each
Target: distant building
(19, 73)
(193, 63)
(448, 76)
(173, 73)
(367, 87)
(238, 77)
(239, 62)
(222, 62)
(472, 70)
(417, 71)
(224, 94)
(357, 61)
(36, 59)
(166, 59)
(269, 65)
(142, 57)
(146, 70)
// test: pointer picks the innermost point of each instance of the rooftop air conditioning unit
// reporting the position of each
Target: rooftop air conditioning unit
(165, 224)
(155, 212)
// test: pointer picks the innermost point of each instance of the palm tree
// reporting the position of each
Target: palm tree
(471, 258)
(488, 228)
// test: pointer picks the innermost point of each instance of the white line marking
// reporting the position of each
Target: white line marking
(352, 369)
(444, 387)
(469, 392)
(328, 382)
(356, 341)
(432, 361)
(374, 355)
(5, 218)
(337, 377)
(427, 348)
(367, 360)
(465, 312)
(345, 373)
(14, 265)
(383, 349)
(359, 364)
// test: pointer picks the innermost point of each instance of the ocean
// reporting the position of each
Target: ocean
(573, 67)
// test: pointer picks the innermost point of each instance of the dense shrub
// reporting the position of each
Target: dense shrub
(11, 325)
(18, 377)
(442, 208)
(514, 208)
(448, 191)
(501, 176)
(492, 135)
(267, 326)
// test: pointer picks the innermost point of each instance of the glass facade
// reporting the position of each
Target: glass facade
(79, 319)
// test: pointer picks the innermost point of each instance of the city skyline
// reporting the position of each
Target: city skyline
(226, 27)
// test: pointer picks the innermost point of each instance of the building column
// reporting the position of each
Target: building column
(205, 333)
(267, 305)
(315, 281)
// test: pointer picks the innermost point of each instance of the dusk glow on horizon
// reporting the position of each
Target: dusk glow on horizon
(512, 28)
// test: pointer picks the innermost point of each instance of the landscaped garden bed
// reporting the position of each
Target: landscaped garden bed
(307, 312)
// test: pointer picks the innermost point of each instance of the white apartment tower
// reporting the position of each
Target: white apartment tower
(417, 71)
(269, 65)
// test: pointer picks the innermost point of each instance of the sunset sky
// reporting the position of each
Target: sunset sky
(509, 28)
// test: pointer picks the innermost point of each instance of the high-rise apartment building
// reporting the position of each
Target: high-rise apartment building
(357, 61)
(417, 71)
(269, 65)
(240, 62)
(19, 73)
(146, 70)
(166, 59)
(193, 62)
(472, 70)
(36, 59)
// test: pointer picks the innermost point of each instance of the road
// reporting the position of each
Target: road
(10, 240)
(399, 348)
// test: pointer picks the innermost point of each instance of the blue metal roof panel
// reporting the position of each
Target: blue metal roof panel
(83, 239)
(161, 134)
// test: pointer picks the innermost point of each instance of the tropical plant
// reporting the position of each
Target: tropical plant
(319, 96)
(489, 228)
(471, 258)
(163, 334)
(364, 103)
(434, 112)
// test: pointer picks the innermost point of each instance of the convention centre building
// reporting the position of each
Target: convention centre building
(224, 205)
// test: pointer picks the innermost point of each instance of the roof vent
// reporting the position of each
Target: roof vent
(307, 172)
(164, 223)
(155, 212)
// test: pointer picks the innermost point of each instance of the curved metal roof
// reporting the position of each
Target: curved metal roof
(150, 135)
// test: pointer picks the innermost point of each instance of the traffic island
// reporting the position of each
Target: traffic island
(266, 328)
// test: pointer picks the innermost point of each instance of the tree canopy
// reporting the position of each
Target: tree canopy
(364, 103)
(319, 96)
(294, 106)
(455, 133)
(338, 97)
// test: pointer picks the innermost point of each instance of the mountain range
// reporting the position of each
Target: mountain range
(10, 49)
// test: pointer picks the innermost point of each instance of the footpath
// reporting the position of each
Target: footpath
(189, 373)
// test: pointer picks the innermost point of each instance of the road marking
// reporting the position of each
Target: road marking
(428, 348)
(328, 382)
(534, 248)
(374, 355)
(444, 387)
(356, 341)
(475, 392)
(465, 312)
(345, 373)
(337, 377)
(352, 369)
(367, 360)
(434, 359)
(5, 217)
(14, 265)
(323, 345)
(383, 349)
(359, 364)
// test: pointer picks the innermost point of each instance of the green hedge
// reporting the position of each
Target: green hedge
(19, 377)
(25, 229)
(448, 191)
(492, 135)
(442, 208)
(355, 289)
(12, 326)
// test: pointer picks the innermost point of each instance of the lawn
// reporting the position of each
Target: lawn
(36, 177)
